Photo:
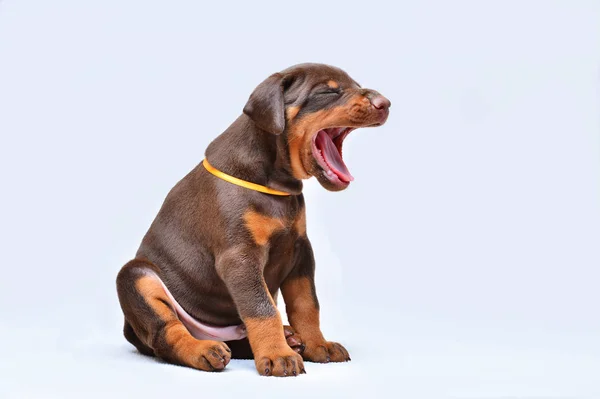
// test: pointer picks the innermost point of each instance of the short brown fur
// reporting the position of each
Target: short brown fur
(223, 251)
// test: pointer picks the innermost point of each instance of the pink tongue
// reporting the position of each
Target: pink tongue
(332, 157)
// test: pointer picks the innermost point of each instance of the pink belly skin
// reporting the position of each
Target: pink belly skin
(202, 331)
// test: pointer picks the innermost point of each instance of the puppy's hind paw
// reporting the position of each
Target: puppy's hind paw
(294, 340)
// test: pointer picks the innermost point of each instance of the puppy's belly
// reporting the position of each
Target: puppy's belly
(203, 331)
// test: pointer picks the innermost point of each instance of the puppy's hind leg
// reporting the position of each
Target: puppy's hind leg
(152, 325)
(134, 340)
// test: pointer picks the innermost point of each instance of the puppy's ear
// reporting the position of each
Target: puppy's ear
(266, 106)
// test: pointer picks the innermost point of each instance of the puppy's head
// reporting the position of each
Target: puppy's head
(316, 106)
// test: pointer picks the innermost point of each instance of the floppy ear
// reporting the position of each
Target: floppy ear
(266, 106)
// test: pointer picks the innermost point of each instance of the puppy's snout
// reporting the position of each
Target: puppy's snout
(380, 102)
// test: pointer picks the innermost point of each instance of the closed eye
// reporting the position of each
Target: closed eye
(329, 92)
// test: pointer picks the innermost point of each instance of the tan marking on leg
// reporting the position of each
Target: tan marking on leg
(304, 318)
(272, 354)
(155, 296)
(182, 347)
(186, 348)
(266, 335)
(176, 335)
(262, 227)
(301, 308)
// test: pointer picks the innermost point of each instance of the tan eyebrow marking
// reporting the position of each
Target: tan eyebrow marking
(291, 112)
(333, 84)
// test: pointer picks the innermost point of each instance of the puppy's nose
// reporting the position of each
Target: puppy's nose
(380, 102)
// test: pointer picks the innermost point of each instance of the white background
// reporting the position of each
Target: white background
(462, 262)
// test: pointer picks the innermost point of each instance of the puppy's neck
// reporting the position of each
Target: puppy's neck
(249, 153)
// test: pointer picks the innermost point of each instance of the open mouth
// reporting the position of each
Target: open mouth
(327, 150)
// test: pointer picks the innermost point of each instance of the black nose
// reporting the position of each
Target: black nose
(380, 102)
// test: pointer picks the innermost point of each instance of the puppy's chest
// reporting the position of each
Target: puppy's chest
(282, 253)
(278, 235)
(268, 229)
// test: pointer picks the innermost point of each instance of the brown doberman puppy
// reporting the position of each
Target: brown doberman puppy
(232, 232)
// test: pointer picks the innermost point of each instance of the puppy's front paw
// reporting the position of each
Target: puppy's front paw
(283, 363)
(325, 352)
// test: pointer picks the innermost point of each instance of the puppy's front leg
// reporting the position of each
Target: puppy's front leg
(241, 269)
(302, 308)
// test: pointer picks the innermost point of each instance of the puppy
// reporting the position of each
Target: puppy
(232, 233)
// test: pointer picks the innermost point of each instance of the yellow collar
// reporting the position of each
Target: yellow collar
(240, 182)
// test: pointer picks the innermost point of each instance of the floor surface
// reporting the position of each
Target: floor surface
(103, 365)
